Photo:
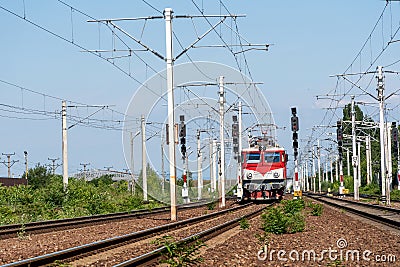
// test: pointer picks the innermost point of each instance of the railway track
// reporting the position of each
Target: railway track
(135, 248)
(384, 215)
(12, 230)
(366, 196)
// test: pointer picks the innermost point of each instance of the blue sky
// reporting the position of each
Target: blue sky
(310, 41)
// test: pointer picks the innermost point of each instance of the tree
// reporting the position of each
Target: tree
(39, 176)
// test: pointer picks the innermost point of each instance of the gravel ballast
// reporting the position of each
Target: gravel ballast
(337, 232)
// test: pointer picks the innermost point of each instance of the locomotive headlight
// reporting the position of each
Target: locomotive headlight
(276, 175)
(249, 175)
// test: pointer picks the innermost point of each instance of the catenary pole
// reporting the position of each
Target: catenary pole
(380, 89)
(199, 163)
(171, 113)
(319, 166)
(144, 158)
(355, 159)
(64, 145)
(222, 140)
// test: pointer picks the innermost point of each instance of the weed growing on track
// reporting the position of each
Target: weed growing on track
(61, 264)
(287, 218)
(211, 205)
(264, 239)
(244, 224)
(21, 234)
(180, 254)
(336, 263)
(316, 209)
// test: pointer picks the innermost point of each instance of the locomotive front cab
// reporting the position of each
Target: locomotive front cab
(263, 173)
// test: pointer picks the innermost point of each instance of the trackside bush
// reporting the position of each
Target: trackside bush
(285, 219)
(274, 221)
(295, 223)
(316, 209)
(293, 206)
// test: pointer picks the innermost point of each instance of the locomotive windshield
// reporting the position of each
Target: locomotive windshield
(253, 157)
(271, 157)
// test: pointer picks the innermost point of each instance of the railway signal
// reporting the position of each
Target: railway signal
(295, 127)
(235, 136)
(339, 134)
(182, 136)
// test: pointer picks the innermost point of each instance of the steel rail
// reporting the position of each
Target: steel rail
(380, 219)
(154, 256)
(12, 230)
(368, 205)
(114, 241)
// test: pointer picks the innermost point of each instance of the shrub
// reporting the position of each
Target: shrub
(244, 224)
(317, 209)
(211, 205)
(286, 218)
(274, 221)
(370, 189)
(293, 206)
(295, 223)
(395, 195)
(180, 254)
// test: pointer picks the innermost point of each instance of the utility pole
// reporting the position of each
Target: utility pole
(84, 169)
(199, 166)
(213, 165)
(355, 159)
(222, 140)
(319, 166)
(307, 176)
(171, 110)
(337, 169)
(144, 158)
(9, 163)
(326, 171)
(381, 99)
(330, 166)
(162, 166)
(132, 163)
(359, 163)
(395, 137)
(54, 166)
(132, 137)
(368, 157)
(348, 162)
(388, 161)
(314, 186)
(64, 145)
